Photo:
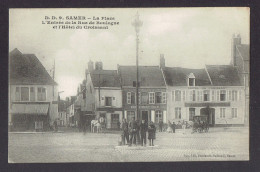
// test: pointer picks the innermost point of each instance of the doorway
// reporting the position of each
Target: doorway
(210, 113)
(191, 113)
(145, 116)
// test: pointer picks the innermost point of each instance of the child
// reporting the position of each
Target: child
(151, 133)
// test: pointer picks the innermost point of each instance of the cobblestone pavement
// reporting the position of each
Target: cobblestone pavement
(216, 145)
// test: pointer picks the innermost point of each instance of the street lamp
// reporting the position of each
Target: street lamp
(137, 24)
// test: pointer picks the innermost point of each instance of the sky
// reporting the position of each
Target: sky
(188, 37)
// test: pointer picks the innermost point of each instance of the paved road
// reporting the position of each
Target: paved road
(216, 145)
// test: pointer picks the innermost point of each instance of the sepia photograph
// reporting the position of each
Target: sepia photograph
(128, 84)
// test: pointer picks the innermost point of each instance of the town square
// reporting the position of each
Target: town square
(157, 85)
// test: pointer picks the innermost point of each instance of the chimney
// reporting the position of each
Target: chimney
(90, 66)
(99, 66)
(162, 61)
(236, 40)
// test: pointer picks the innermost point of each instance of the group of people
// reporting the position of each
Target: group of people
(171, 127)
(137, 132)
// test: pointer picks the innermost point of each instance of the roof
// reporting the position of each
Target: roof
(223, 75)
(149, 76)
(105, 78)
(27, 69)
(244, 51)
(177, 76)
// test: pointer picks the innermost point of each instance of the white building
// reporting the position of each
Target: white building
(104, 90)
(215, 92)
(32, 93)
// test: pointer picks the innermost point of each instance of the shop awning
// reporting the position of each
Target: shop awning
(33, 109)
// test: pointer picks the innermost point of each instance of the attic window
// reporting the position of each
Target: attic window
(191, 80)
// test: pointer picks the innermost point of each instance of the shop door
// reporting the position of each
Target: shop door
(145, 116)
(115, 121)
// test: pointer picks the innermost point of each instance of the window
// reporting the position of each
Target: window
(24, 94)
(158, 97)
(17, 94)
(108, 101)
(212, 95)
(41, 95)
(177, 95)
(229, 95)
(206, 95)
(144, 98)
(199, 95)
(183, 95)
(177, 113)
(222, 112)
(223, 95)
(191, 81)
(192, 95)
(164, 97)
(130, 98)
(130, 115)
(32, 94)
(240, 94)
(158, 116)
(217, 95)
(151, 98)
(234, 95)
(234, 112)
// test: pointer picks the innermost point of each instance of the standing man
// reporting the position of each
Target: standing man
(143, 130)
(125, 132)
(173, 127)
(132, 129)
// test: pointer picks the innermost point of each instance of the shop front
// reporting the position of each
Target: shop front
(110, 117)
(29, 117)
(148, 113)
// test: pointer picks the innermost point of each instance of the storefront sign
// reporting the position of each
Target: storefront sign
(146, 107)
(207, 104)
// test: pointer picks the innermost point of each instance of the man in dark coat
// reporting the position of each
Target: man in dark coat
(151, 133)
(143, 130)
(132, 130)
(125, 132)
(173, 127)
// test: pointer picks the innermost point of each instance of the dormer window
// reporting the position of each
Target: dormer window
(191, 80)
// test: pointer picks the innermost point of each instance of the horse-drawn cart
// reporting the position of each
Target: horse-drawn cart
(200, 124)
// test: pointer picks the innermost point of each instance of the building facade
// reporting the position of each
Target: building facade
(32, 93)
(103, 95)
(152, 93)
(240, 60)
(214, 92)
(63, 119)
